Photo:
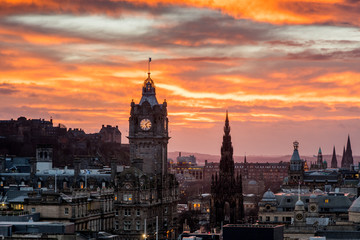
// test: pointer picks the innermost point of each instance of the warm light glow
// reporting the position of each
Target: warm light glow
(283, 69)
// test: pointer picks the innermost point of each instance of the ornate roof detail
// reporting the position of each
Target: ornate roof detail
(268, 196)
(295, 156)
(148, 92)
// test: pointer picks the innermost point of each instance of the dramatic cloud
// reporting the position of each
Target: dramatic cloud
(285, 70)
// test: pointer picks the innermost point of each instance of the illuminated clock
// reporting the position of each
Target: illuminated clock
(299, 216)
(145, 124)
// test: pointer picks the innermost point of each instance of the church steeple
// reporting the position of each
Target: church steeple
(348, 160)
(348, 146)
(334, 160)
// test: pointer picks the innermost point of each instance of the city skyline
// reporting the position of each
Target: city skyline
(285, 71)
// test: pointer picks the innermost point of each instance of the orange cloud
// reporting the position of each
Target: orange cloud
(264, 79)
(272, 11)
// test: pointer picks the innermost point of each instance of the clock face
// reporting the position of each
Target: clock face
(145, 124)
(313, 208)
(299, 216)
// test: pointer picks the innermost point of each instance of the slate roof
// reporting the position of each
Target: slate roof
(355, 206)
(295, 156)
(337, 202)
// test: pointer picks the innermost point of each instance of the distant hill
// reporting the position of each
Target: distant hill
(201, 157)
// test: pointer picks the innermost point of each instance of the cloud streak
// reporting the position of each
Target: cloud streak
(274, 65)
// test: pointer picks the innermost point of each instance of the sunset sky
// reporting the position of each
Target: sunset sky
(285, 70)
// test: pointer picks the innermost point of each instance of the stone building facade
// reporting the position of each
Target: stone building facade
(88, 210)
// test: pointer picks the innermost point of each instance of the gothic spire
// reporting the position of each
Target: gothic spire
(343, 158)
(349, 160)
(227, 126)
(227, 161)
(334, 160)
(348, 146)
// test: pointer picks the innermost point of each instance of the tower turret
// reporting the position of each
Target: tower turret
(320, 157)
(296, 169)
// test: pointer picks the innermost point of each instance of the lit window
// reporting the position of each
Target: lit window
(326, 200)
(127, 197)
(39, 184)
(81, 184)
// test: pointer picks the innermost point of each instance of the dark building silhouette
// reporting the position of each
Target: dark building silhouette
(226, 189)
(347, 159)
(110, 134)
(333, 159)
(21, 137)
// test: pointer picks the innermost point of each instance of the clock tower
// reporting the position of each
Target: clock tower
(148, 131)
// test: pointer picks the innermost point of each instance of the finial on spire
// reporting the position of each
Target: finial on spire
(299, 191)
(227, 126)
(296, 145)
(149, 66)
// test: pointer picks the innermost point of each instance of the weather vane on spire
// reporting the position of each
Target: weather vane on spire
(149, 66)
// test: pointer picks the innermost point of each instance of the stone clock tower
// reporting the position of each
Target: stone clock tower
(146, 194)
(148, 132)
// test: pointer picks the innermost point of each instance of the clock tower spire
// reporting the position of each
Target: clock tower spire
(148, 90)
(148, 131)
